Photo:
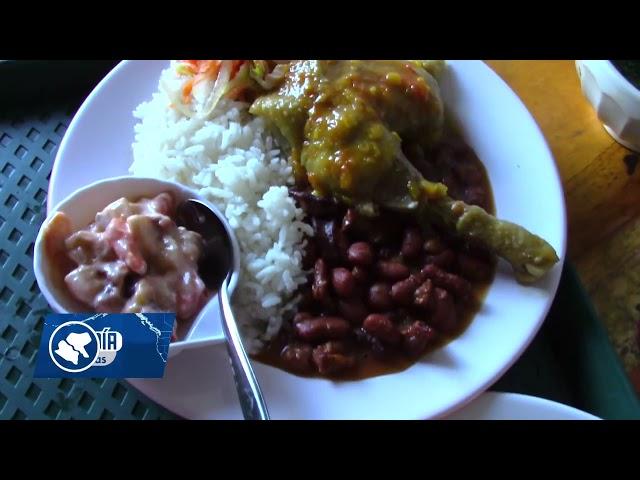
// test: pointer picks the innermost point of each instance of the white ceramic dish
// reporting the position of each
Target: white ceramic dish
(615, 100)
(208, 394)
(513, 406)
(81, 207)
(527, 190)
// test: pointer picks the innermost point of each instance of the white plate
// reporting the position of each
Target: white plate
(203, 394)
(513, 406)
(527, 190)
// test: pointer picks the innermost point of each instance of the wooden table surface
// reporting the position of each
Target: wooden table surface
(602, 192)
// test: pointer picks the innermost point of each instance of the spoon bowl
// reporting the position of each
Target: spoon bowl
(218, 239)
(215, 270)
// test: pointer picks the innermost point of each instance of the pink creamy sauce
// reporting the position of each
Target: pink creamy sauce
(133, 259)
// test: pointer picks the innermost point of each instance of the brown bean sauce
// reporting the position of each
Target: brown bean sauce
(459, 276)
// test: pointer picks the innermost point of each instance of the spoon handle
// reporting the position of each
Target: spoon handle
(249, 394)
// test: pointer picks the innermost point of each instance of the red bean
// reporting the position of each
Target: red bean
(434, 246)
(411, 243)
(393, 271)
(444, 316)
(353, 310)
(380, 296)
(360, 253)
(423, 295)
(320, 286)
(343, 282)
(402, 292)
(417, 337)
(445, 259)
(297, 357)
(381, 327)
(321, 329)
(454, 283)
(331, 358)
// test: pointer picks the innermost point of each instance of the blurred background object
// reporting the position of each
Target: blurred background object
(613, 88)
(31, 82)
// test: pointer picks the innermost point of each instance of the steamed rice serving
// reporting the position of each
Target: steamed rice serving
(231, 159)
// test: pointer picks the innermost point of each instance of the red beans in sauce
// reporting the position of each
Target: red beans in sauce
(383, 290)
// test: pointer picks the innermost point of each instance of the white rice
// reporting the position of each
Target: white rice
(233, 161)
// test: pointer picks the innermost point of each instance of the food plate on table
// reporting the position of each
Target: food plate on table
(492, 124)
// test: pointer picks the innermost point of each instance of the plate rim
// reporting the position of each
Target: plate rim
(493, 397)
(561, 255)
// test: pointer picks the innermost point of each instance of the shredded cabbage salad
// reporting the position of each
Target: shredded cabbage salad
(233, 79)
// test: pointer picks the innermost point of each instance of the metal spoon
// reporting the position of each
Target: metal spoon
(216, 268)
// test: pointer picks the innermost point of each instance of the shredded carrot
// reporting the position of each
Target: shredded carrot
(204, 69)
(186, 91)
(209, 67)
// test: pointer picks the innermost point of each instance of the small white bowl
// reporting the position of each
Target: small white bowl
(82, 206)
(615, 99)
